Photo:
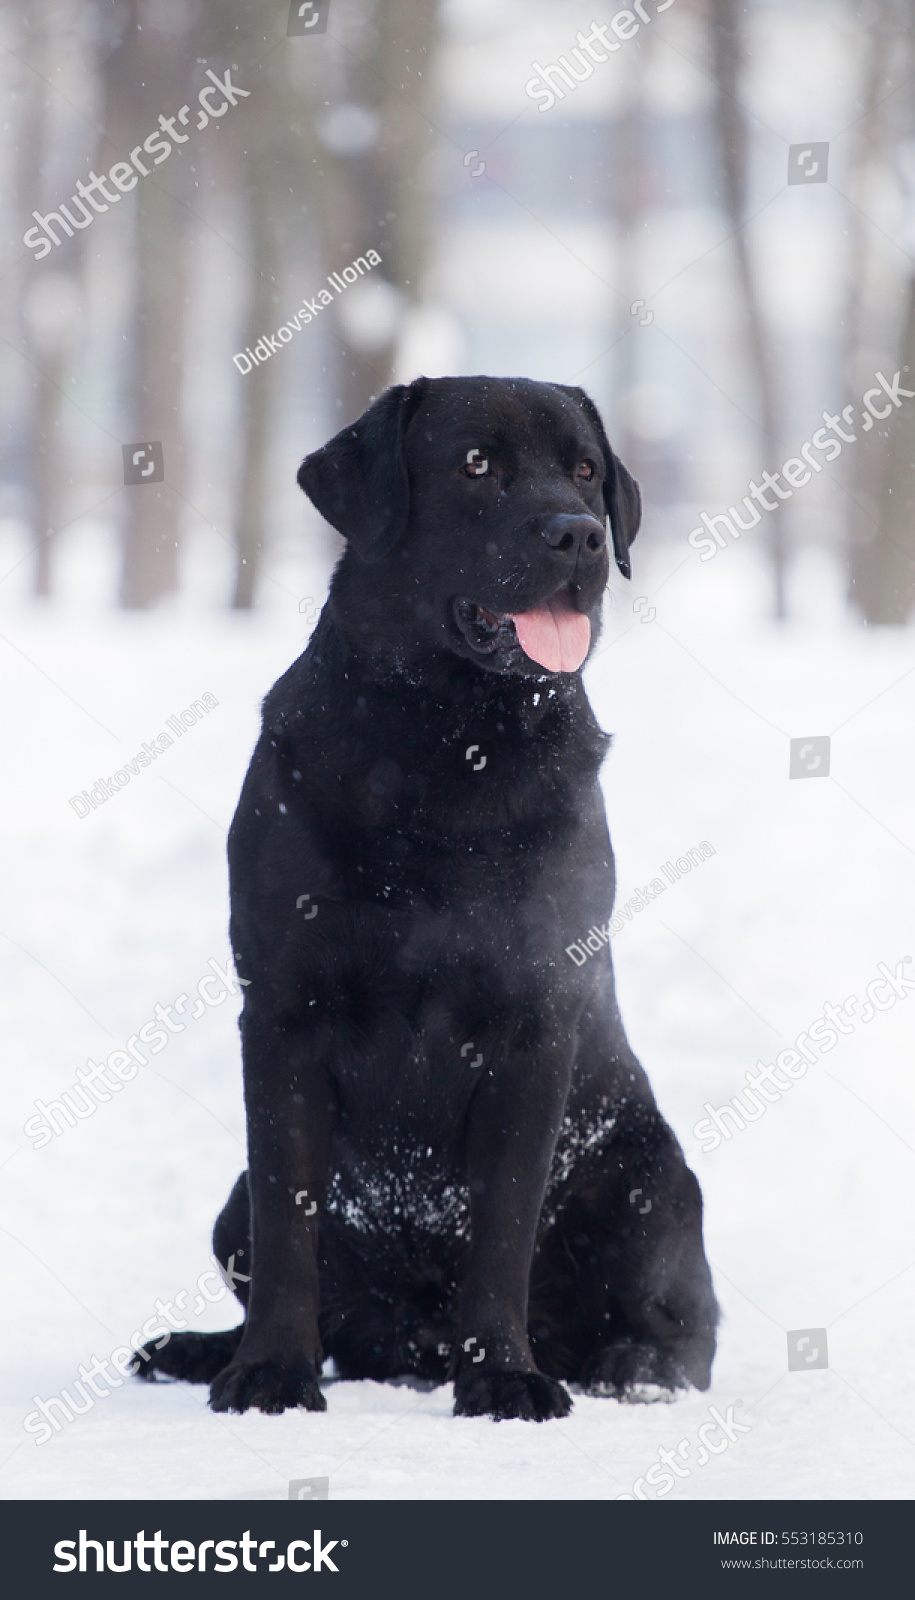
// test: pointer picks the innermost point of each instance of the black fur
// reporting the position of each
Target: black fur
(445, 1120)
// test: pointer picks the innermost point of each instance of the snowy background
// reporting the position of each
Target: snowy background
(595, 248)
(810, 886)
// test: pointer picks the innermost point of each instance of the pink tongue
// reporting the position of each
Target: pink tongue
(555, 635)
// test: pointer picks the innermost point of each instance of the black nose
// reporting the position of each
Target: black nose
(576, 535)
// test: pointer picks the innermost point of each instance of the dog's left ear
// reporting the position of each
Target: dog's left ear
(358, 480)
(622, 499)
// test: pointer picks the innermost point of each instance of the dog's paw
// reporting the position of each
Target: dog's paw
(504, 1395)
(636, 1374)
(271, 1386)
(650, 1394)
(195, 1357)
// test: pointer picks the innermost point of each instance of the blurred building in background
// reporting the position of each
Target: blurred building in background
(702, 212)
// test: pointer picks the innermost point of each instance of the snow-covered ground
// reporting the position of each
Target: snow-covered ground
(810, 887)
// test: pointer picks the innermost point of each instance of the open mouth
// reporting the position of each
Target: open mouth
(553, 635)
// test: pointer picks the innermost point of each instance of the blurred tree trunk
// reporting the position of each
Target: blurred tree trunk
(373, 178)
(727, 20)
(149, 74)
(409, 35)
(881, 523)
(265, 158)
(45, 324)
(257, 388)
(629, 137)
(896, 566)
(44, 463)
(867, 137)
(150, 561)
(882, 583)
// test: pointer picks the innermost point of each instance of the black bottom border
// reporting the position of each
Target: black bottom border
(464, 1549)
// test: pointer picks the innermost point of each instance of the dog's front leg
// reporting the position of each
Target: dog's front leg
(513, 1124)
(291, 1110)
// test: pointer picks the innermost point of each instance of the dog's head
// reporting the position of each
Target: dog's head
(476, 512)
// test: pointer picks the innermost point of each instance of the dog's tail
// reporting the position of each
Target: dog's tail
(195, 1357)
(199, 1357)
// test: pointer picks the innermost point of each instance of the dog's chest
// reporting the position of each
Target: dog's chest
(411, 1191)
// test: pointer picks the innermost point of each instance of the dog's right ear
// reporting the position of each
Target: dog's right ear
(358, 480)
(622, 500)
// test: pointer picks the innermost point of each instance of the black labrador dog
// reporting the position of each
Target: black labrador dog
(457, 1168)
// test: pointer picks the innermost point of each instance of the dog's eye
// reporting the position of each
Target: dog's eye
(475, 466)
(585, 470)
